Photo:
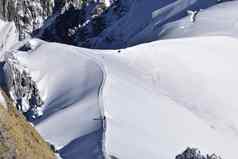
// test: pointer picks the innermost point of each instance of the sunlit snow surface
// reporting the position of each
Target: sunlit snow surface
(8, 35)
(175, 94)
(158, 98)
(69, 83)
(221, 19)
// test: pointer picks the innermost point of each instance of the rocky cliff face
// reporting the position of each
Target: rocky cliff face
(30, 15)
(93, 23)
(74, 22)
(193, 153)
(18, 139)
(18, 102)
(83, 25)
(21, 87)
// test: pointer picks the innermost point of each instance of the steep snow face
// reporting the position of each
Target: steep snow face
(158, 98)
(68, 22)
(139, 21)
(69, 84)
(222, 18)
(9, 35)
(138, 25)
(96, 26)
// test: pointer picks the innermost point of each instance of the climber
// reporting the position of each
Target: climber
(193, 15)
(103, 120)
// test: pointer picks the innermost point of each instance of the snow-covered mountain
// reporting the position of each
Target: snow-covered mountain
(26, 14)
(158, 98)
(124, 23)
(152, 20)
(144, 15)
(98, 24)
(222, 18)
(151, 100)
(41, 17)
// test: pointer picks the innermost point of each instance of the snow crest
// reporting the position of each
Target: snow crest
(155, 98)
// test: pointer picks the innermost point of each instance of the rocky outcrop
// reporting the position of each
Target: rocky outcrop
(81, 26)
(18, 139)
(192, 153)
(22, 88)
(30, 15)
(77, 25)
(73, 22)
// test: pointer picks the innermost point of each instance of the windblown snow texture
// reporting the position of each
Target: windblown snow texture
(157, 98)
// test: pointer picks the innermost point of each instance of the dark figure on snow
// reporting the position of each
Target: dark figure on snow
(19, 104)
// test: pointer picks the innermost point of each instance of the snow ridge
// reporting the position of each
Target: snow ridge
(181, 97)
(148, 101)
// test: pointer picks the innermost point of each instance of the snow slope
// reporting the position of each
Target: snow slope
(69, 84)
(222, 18)
(9, 35)
(165, 96)
(143, 20)
(158, 98)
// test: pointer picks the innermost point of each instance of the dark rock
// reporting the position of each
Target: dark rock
(192, 153)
